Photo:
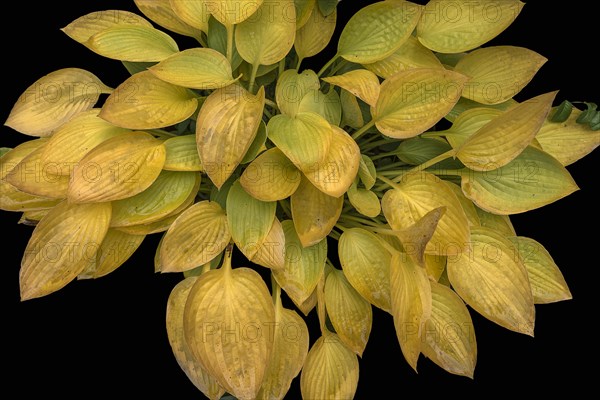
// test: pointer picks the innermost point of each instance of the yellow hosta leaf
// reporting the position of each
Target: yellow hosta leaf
(303, 267)
(454, 27)
(568, 141)
(411, 54)
(290, 347)
(115, 249)
(467, 205)
(271, 176)
(175, 331)
(315, 34)
(419, 194)
(367, 172)
(292, 87)
(547, 282)
(226, 127)
(154, 227)
(415, 238)
(465, 104)
(304, 9)
(498, 73)
(411, 304)
(350, 313)
(364, 201)
(327, 105)
(366, 264)
(449, 333)
(307, 305)
(195, 68)
(133, 43)
(145, 102)
(54, 99)
(412, 101)
(33, 217)
(118, 168)
(532, 180)
(162, 12)
(268, 36)
(315, 213)
(351, 112)
(378, 30)
(435, 266)
(249, 219)
(37, 177)
(271, 252)
(360, 82)
(61, 246)
(304, 139)
(192, 12)
(468, 123)
(232, 12)
(227, 320)
(505, 137)
(335, 174)
(330, 370)
(182, 154)
(493, 281)
(498, 223)
(83, 28)
(169, 191)
(197, 236)
(74, 139)
(258, 144)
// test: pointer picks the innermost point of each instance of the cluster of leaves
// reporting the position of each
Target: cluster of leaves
(231, 143)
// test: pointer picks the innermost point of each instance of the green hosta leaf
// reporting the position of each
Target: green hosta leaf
(498, 73)
(271, 176)
(196, 237)
(417, 150)
(366, 264)
(350, 313)
(367, 171)
(115, 249)
(133, 43)
(182, 154)
(411, 304)
(292, 87)
(315, 34)
(162, 12)
(469, 122)
(221, 300)
(493, 281)
(568, 141)
(351, 112)
(419, 194)
(330, 370)
(166, 194)
(360, 82)
(53, 100)
(465, 104)
(70, 143)
(61, 246)
(304, 266)
(135, 67)
(145, 102)
(505, 137)
(268, 36)
(532, 180)
(315, 213)
(305, 139)
(195, 68)
(327, 6)
(547, 282)
(226, 127)
(378, 30)
(304, 10)
(449, 333)
(118, 168)
(83, 28)
(217, 39)
(290, 347)
(250, 220)
(463, 25)
(412, 54)
(412, 101)
(192, 12)
(185, 358)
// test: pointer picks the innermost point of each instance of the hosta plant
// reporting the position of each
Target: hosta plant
(406, 153)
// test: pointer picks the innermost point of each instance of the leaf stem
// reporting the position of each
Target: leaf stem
(162, 133)
(363, 130)
(253, 77)
(322, 71)
(230, 31)
(272, 104)
(432, 162)
(299, 63)
(389, 182)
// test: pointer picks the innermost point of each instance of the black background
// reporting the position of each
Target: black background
(107, 337)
